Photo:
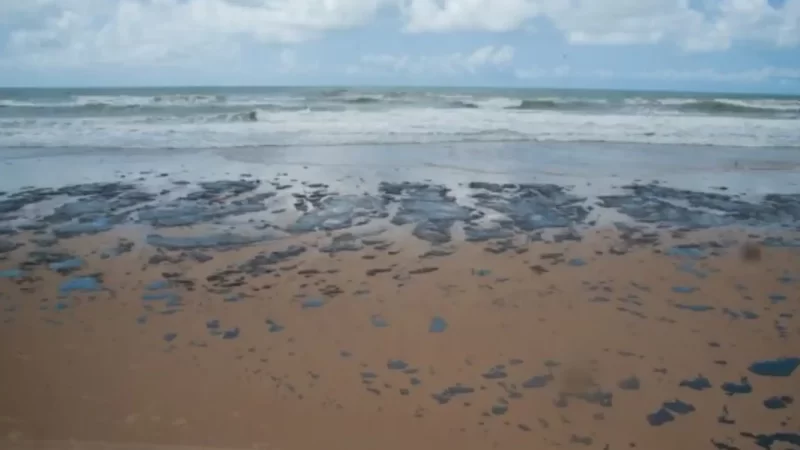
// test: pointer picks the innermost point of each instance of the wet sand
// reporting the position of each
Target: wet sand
(378, 335)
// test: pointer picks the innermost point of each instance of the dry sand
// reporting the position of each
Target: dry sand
(111, 370)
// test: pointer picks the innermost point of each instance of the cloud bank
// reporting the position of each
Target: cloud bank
(88, 34)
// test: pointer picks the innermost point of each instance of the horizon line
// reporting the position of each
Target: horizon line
(411, 86)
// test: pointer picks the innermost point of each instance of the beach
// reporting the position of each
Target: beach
(387, 299)
(313, 268)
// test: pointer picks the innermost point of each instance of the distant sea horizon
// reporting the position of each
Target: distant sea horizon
(734, 92)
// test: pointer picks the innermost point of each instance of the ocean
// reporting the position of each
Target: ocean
(234, 117)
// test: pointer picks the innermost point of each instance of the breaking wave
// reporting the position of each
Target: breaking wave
(222, 117)
(564, 105)
(723, 107)
(463, 104)
(363, 100)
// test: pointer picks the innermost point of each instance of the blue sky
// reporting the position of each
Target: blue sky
(711, 45)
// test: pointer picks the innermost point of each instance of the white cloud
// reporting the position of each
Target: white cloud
(453, 63)
(620, 21)
(489, 55)
(625, 21)
(78, 36)
(753, 75)
(137, 32)
(450, 15)
(84, 32)
(750, 76)
(537, 72)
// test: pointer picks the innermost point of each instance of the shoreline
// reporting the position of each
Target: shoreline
(742, 170)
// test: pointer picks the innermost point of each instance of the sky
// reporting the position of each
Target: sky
(705, 45)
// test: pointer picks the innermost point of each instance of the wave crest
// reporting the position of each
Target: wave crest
(728, 107)
(535, 104)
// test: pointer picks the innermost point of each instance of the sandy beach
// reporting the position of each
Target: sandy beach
(399, 303)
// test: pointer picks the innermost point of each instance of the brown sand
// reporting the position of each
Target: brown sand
(90, 374)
